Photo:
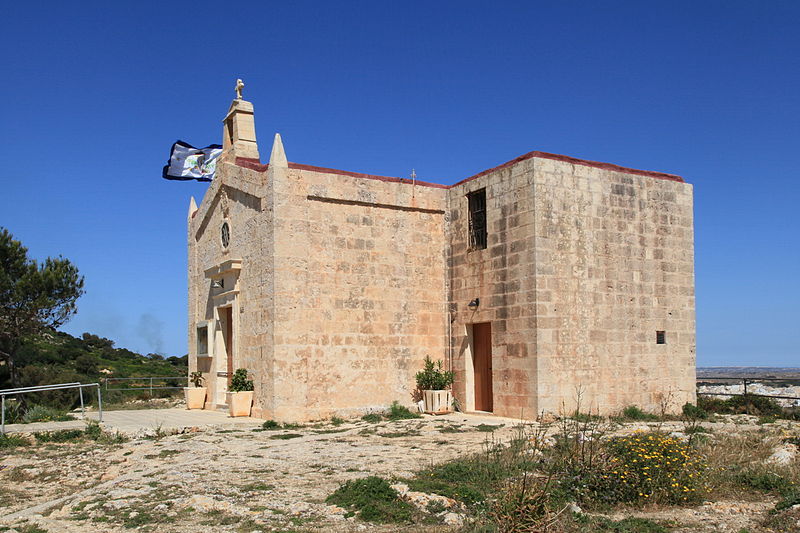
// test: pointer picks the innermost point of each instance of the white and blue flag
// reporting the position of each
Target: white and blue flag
(189, 163)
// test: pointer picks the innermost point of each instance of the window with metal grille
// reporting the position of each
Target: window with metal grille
(661, 337)
(477, 219)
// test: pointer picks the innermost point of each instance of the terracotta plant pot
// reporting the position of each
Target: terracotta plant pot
(239, 403)
(437, 401)
(195, 397)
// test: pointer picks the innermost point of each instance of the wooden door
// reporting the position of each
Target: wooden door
(227, 313)
(482, 365)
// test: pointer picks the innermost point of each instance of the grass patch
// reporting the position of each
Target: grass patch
(257, 486)
(628, 525)
(400, 412)
(488, 428)
(397, 434)
(285, 436)
(373, 500)
(41, 413)
(13, 441)
(64, 435)
(93, 432)
(635, 414)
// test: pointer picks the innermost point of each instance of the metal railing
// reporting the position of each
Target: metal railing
(745, 382)
(43, 388)
(145, 379)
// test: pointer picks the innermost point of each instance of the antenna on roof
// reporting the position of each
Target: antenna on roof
(413, 180)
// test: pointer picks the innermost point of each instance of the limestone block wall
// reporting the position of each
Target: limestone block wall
(614, 264)
(241, 197)
(359, 290)
(502, 277)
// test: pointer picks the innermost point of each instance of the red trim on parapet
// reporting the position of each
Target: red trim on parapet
(254, 164)
(575, 161)
(408, 181)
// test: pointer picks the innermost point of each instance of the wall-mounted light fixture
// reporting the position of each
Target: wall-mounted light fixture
(473, 305)
(218, 284)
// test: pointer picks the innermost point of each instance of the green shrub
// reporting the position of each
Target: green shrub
(433, 377)
(13, 441)
(744, 404)
(373, 499)
(754, 405)
(762, 480)
(41, 413)
(400, 412)
(789, 499)
(372, 418)
(694, 412)
(239, 381)
(600, 524)
(633, 412)
(64, 435)
(271, 424)
(474, 478)
(336, 421)
(651, 467)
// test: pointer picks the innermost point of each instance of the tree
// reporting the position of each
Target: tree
(34, 297)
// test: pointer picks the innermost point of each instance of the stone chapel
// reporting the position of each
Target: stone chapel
(544, 280)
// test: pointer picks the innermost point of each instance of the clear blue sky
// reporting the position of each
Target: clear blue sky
(94, 93)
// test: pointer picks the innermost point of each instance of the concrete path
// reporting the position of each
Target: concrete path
(135, 421)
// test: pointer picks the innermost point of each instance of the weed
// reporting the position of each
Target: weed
(651, 467)
(601, 524)
(745, 403)
(372, 418)
(13, 441)
(400, 412)
(336, 421)
(396, 434)
(64, 435)
(762, 480)
(285, 436)
(373, 499)
(324, 431)
(488, 428)
(694, 412)
(633, 412)
(41, 413)
(270, 424)
(252, 487)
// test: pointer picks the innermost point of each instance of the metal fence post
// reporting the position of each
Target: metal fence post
(83, 409)
(151, 388)
(3, 426)
(100, 403)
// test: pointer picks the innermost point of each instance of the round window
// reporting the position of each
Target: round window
(225, 233)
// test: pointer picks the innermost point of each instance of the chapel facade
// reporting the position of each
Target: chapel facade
(543, 282)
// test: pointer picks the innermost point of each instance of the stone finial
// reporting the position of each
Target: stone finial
(239, 87)
(192, 207)
(239, 129)
(277, 158)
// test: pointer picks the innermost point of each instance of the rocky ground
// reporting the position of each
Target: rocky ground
(252, 480)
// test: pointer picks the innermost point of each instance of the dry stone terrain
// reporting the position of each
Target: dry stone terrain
(251, 480)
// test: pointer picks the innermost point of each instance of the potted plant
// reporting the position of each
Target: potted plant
(434, 383)
(240, 394)
(195, 396)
